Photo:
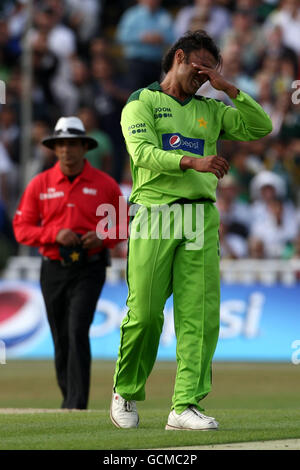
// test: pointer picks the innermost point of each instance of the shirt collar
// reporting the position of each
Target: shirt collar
(156, 87)
(86, 174)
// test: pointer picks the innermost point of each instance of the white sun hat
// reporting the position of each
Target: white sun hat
(267, 178)
(69, 128)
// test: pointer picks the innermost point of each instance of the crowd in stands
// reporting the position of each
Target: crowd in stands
(87, 58)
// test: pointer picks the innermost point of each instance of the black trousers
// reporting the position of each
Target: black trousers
(71, 294)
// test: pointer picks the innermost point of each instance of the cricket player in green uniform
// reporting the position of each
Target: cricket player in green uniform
(171, 136)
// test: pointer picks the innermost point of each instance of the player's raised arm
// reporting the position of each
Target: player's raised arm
(248, 121)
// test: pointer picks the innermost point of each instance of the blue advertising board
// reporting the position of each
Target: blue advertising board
(258, 322)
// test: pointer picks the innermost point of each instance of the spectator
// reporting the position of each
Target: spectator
(240, 168)
(287, 16)
(78, 88)
(203, 14)
(296, 251)
(10, 132)
(268, 188)
(290, 127)
(292, 165)
(8, 244)
(279, 160)
(265, 94)
(61, 41)
(273, 217)
(84, 18)
(277, 231)
(256, 154)
(17, 19)
(14, 90)
(99, 46)
(6, 7)
(256, 248)
(100, 157)
(274, 84)
(6, 175)
(144, 31)
(42, 158)
(110, 94)
(247, 33)
(40, 107)
(234, 219)
(269, 67)
(9, 47)
(45, 66)
(285, 120)
(286, 75)
(275, 47)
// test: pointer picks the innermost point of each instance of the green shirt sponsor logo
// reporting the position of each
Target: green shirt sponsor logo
(162, 112)
(137, 128)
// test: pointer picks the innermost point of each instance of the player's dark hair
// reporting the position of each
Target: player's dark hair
(191, 41)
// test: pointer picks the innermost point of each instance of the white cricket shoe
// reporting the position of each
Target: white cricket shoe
(190, 420)
(123, 413)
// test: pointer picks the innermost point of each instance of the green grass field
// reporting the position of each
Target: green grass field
(251, 402)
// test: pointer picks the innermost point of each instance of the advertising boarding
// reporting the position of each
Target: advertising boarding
(258, 322)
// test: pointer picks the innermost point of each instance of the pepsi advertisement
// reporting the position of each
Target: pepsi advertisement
(258, 323)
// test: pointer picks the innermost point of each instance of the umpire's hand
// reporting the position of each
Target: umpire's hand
(67, 237)
(90, 240)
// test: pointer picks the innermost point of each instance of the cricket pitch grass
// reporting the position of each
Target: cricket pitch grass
(256, 404)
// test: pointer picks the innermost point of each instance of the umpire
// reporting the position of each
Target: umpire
(57, 213)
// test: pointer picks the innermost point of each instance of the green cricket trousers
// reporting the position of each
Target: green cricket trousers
(174, 250)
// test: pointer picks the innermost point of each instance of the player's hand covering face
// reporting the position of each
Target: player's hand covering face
(189, 67)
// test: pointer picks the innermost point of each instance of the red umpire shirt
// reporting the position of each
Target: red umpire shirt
(51, 202)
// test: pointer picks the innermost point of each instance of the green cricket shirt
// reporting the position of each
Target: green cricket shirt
(159, 130)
